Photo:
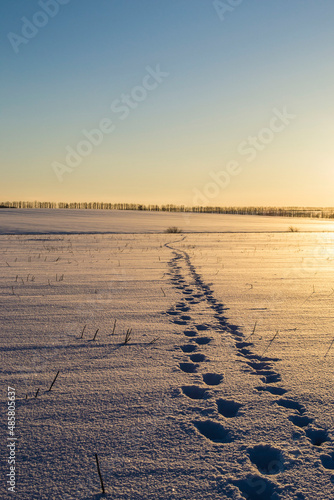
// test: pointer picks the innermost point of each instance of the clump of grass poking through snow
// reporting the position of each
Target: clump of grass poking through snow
(99, 472)
(127, 336)
(173, 229)
(53, 381)
(114, 327)
(293, 229)
(95, 334)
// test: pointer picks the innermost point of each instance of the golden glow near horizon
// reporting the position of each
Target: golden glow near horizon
(230, 110)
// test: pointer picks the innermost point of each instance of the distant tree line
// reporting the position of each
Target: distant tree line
(319, 213)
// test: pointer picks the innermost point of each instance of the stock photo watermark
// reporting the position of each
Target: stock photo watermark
(224, 8)
(11, 439)
(250, 148)
(31, 27)
(122, 107)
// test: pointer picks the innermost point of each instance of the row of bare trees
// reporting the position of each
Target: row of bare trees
(319, 213)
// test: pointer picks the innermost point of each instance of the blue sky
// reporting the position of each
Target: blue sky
(223, 77)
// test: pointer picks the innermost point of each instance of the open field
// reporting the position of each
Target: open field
(48, 221)
(224, 390)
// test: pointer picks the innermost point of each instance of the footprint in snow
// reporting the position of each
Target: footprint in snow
(234, 328)
(250, 355)
(259, 365)
(190, 333)
(202, 327)
(267, 459)
(300, 421)
(317, 436)
(228, 408)
(270, 378)
(256, 488)
(183, 308)
(195, 392)
(188, 367)
(212, 378)
(203, 340)
(246, 352)
(189, 348)
(277, 391)
(240, 345)
(293, 405)
(179, 322)
(328, 461)
(197, 357)
(214, 431)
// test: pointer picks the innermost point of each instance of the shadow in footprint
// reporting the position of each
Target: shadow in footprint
(222, 322)
(190, 333)
(203, 340)
(179, 322)
(317, 436)
(227, 408)
(195, 392)
(259, 365)
(213, 431)
(300, 421)
(189, 348)
(197, 357)
(270, 378)
(263, 358)
(201, 327)
(255, 488)
(241, 345)
(267, 459)
(292, 405)
(278, 391)
(188, 367)
(212, 378)
(182, 308)
(246, 352)
(328, 461)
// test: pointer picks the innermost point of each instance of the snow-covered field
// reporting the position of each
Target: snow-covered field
(40, 221)
(224, 390)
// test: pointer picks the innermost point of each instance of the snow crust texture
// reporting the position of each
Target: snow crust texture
(268, 460)
(201, 402)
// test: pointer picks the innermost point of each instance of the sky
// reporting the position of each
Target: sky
(195, 102)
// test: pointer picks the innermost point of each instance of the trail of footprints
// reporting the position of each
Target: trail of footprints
(267, 459)
(197, 336)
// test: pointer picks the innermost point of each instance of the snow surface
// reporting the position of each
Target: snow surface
(202, 403)
(66, 221)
